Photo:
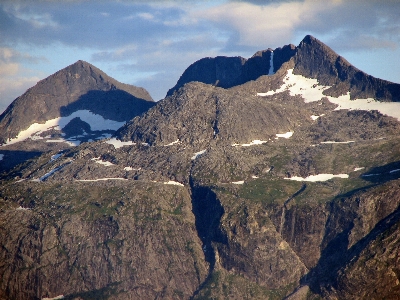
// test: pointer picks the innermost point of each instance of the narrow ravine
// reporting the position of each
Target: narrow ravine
(208, 212)
(284, 207)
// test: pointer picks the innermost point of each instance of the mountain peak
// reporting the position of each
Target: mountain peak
(308, 39)
(79, 86)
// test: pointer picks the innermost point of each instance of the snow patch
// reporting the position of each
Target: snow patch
(333, 142)
(368, 175)
(22, 208)
(284, 135)
(358, 169)
(314, 117)
(48, 174)
(197, 154)
(238, 182)
(55, 156)
(254, 177)
(319, 177)
(1, 156)
(394, 171)
(102, 162)
(101, 179)
(173, 143)
(252, 143)
(55, 298)
(173, 183)
(132, 169)
(118, 144)
(96, 123)
(311, 91)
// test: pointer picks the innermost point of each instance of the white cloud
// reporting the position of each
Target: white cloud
(273, 24)
(146, 16)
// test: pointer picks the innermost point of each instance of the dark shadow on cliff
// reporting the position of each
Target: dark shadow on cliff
(208, 211)
(383, 173)
(13, 158)
(336, 256)
(375, 176)
(114, 104)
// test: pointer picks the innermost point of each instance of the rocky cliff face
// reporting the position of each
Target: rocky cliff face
(280, 187)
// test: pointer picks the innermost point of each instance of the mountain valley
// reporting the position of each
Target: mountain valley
(273, 177)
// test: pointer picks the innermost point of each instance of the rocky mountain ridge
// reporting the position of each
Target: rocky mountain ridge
(282, 187)
(311, 58)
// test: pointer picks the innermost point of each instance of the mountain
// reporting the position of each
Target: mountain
(311, 58)
(272, 183)
(76, 104)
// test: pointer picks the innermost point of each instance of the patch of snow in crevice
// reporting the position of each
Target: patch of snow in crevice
(118, 144)
(22, 208)
(333, 142)
(197, 154)
(368, 175)
(101, 179)
(238, 182)
(319, 177)
(252, 143)
(314, 117)
(358, 169)
(55, 298)
(173, 183)
(284, 135)
(311, 91)
(96, 123)
(254, 177)
(55, 156)
(394, 171)
(132, 169)
(102, 162)
(271, 64)
(173, 143)
(48, 174)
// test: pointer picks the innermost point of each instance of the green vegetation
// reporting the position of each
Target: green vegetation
(269, 191)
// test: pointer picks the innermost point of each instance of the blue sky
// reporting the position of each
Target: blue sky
(150, 43)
